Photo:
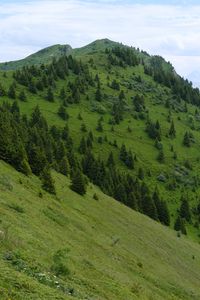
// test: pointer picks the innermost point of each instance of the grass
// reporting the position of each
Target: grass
(110, 251)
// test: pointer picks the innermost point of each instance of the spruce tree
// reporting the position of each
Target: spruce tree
(110, 161)
(161, 156)
(64, 166)
(186, 140)
(78, 184)
(47, 181)
(123, 153)
(22, 96)
(12, 92)
(172, 131)
(180, 225)
(82, 147)
(63, 113)
(50, 96)
(185, 209)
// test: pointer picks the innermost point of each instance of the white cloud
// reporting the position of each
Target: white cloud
(169, 30)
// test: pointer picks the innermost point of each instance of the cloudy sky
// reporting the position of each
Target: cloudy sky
(169, 28)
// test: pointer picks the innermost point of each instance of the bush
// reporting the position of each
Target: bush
(59, 267)
(95, 196)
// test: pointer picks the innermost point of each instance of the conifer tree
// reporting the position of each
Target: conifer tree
(129, 160)
(123, 153)
(12, 92)
(78, 184)
(22, 96)
(99, 126)
(63, 113)
(186, 140)
(161, 156)
(50, 96)
(180, 225)
(64, 166)
(172, 131)
(110, 161)
(47, 181)
(82, 147)
(185, 209)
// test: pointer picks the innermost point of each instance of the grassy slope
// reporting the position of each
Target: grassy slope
(43, 56)
(113, 252)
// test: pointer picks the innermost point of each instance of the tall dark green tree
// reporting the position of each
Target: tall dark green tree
(185, 209)
(47, 181)
(78, 184)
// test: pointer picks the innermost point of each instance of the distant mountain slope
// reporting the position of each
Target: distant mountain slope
(41, 57)
(108, 250)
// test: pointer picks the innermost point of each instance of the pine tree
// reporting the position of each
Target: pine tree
(99, 126)
(47, 181)
(12, 92)
(161, 156)
(172, 131)
(186, 140)
(64, 166)
(50, 96)
(123, 153)
(22, 96)
(130, 160)
(180, 225)
(185, 209)
(110, 161)
(78, 184)
(98, 94)
(63, 113)
(82, 147)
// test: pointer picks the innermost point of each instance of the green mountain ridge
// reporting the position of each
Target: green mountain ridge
(115, 121)
(43, 56)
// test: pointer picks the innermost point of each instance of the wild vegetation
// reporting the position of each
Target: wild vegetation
(107, 115)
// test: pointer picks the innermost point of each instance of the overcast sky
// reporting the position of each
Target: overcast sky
(168, 28)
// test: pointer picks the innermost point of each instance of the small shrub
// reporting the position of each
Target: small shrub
(59, 267)
(95, 197)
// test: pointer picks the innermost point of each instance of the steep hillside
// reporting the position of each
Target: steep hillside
(73, 247)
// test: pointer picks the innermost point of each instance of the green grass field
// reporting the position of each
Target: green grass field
(112, 252)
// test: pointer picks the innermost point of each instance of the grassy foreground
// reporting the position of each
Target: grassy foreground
(102, 249)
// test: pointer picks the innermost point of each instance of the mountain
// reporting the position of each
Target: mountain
(100, 151)
(43, 56)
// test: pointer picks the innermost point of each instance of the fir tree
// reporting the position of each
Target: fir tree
(64, 166)
(99, 126)
(22, 96)
(50, 96)
(78, 184)
(63, 113)
(186, 140)
(12, 92)
(47, 181)
(185, 209)
(172, 131)
(110, 161)
(180, 225)
(82, 147)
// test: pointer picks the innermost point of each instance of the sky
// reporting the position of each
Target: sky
(168, 28)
